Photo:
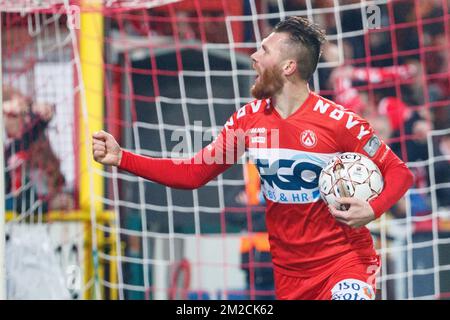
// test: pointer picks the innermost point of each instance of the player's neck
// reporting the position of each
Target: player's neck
(291, 98)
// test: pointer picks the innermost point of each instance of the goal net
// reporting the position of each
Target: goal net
(163, 77)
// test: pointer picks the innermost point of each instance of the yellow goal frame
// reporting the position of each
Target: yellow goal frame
(103, 218)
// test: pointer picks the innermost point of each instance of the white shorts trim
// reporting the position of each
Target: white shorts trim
(352, 289)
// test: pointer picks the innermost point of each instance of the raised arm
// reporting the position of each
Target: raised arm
(177, 173)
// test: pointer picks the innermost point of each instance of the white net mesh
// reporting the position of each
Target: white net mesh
(174, 71)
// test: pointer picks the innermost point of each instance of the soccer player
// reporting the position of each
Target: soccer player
(290, 132)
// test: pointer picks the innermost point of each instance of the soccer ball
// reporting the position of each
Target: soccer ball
(350, 174)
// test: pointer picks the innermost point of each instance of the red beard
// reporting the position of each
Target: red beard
(269, 84)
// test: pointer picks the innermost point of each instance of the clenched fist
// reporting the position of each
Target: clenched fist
(105, 149)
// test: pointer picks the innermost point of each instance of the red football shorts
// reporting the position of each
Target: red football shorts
(345, 279)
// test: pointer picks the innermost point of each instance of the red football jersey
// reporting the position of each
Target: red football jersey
(290, 154)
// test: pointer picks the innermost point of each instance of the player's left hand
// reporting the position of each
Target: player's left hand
(359, 214)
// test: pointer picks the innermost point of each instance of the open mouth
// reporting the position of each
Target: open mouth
(258, 74)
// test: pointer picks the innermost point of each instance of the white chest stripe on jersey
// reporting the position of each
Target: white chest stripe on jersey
(289, 176)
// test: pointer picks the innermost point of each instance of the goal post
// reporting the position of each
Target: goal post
(92, 79)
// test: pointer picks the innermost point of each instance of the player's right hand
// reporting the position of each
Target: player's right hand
(105, 149)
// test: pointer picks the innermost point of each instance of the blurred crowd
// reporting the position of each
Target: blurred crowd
(33, 178)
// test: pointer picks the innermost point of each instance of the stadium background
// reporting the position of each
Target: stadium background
(156, 72)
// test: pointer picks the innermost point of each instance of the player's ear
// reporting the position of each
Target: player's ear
(289, 67)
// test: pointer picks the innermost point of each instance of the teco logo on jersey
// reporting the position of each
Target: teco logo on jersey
(308, 139)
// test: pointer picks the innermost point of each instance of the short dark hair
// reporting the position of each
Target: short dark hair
(308, 37)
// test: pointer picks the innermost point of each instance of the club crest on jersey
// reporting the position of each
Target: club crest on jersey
(308, 139)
